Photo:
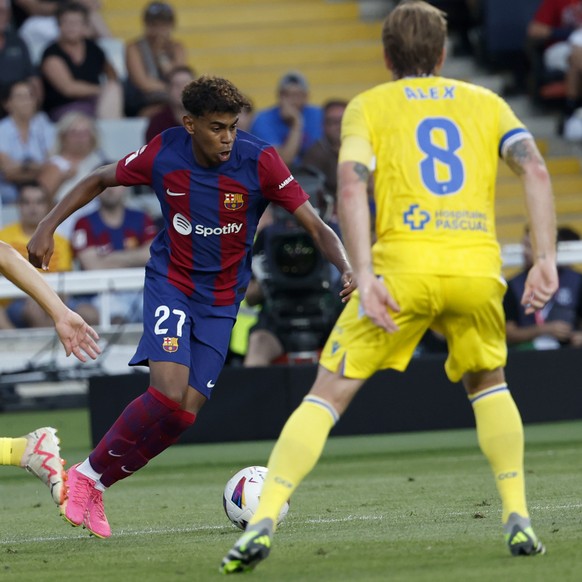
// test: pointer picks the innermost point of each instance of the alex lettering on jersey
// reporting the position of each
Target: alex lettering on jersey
(434, 93)
(210, 214)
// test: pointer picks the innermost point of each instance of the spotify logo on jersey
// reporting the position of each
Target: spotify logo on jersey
(182, 224)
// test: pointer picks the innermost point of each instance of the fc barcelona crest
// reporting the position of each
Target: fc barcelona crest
(170, 344)
(233, 201)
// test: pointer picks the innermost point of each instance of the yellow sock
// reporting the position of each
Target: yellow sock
(12, 450)
(295, 454)
(500, 435)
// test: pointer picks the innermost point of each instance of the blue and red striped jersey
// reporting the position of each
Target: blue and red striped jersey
(90, 231)
(210, 214)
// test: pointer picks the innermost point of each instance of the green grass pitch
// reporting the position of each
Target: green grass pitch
(405, 507)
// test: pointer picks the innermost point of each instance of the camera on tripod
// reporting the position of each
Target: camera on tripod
(300, 286)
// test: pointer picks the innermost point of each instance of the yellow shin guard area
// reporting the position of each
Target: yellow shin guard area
(500, 435)
(295, 454)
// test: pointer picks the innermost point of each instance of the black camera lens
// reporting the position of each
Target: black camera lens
(295, 256)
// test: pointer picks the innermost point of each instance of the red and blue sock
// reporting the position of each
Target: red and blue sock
(130, 427)
(157, 439)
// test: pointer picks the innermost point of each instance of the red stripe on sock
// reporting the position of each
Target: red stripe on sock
(187, 417)
(160, 397)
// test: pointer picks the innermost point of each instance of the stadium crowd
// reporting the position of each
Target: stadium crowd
(59, 78)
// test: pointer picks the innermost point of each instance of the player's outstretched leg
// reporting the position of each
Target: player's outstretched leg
(84, 504)
(520, 537)
(42, 457)
(295, 454)
(250, 549)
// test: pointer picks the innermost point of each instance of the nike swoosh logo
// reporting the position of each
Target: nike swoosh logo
(114, 454)
(210, 384)
(170, 193)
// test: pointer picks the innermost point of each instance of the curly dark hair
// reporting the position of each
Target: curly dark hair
(212, 95)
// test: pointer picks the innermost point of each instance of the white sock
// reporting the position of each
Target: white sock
(99, 486)
(86, 469)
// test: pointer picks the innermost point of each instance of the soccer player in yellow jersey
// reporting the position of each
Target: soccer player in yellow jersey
(436, 263)
(38, 452)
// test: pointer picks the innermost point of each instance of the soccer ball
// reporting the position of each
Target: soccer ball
(242, 494)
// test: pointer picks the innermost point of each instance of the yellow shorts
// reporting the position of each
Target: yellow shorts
(468, 311)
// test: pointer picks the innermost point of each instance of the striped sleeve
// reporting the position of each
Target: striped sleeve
(136, 168)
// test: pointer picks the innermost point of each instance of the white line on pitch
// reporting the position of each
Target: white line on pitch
(170, 530)
(202, 528)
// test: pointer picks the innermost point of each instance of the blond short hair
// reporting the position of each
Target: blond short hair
(414, 36)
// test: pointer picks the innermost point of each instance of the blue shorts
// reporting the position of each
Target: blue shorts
(180, 330)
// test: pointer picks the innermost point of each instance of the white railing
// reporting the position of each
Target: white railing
(102, 282)
(569, 253)
(107, 281)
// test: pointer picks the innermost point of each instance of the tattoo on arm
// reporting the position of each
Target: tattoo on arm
(522, 153)
(362, 172)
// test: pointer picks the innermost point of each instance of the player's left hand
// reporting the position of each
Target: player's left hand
(349, 286)
(77, 336)
(540, 285)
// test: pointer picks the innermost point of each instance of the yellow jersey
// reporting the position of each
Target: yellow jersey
(436, 143)
(62, 259)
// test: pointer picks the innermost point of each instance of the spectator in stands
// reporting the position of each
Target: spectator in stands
(73, 67)
(172, 113)
(24, 10)
(150, 59)
(76, 154)
(38, 27)
(559, 322)
(323, 154)
(554, 27)
(247, 116)
(293, 125)
(27, 137)
(463, 17)
(15, 63)
(33, 206)
(114, 237)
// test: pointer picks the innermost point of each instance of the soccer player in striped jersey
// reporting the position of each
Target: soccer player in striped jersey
(436, 263)
(213, 183)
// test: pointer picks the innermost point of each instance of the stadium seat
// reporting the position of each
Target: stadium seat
(114, 49)
(119, 137)
(253, 46)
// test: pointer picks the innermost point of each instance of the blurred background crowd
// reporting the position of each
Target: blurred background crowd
(85, 82)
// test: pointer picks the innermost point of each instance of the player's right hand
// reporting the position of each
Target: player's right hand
(40, 248)
(376, 300)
